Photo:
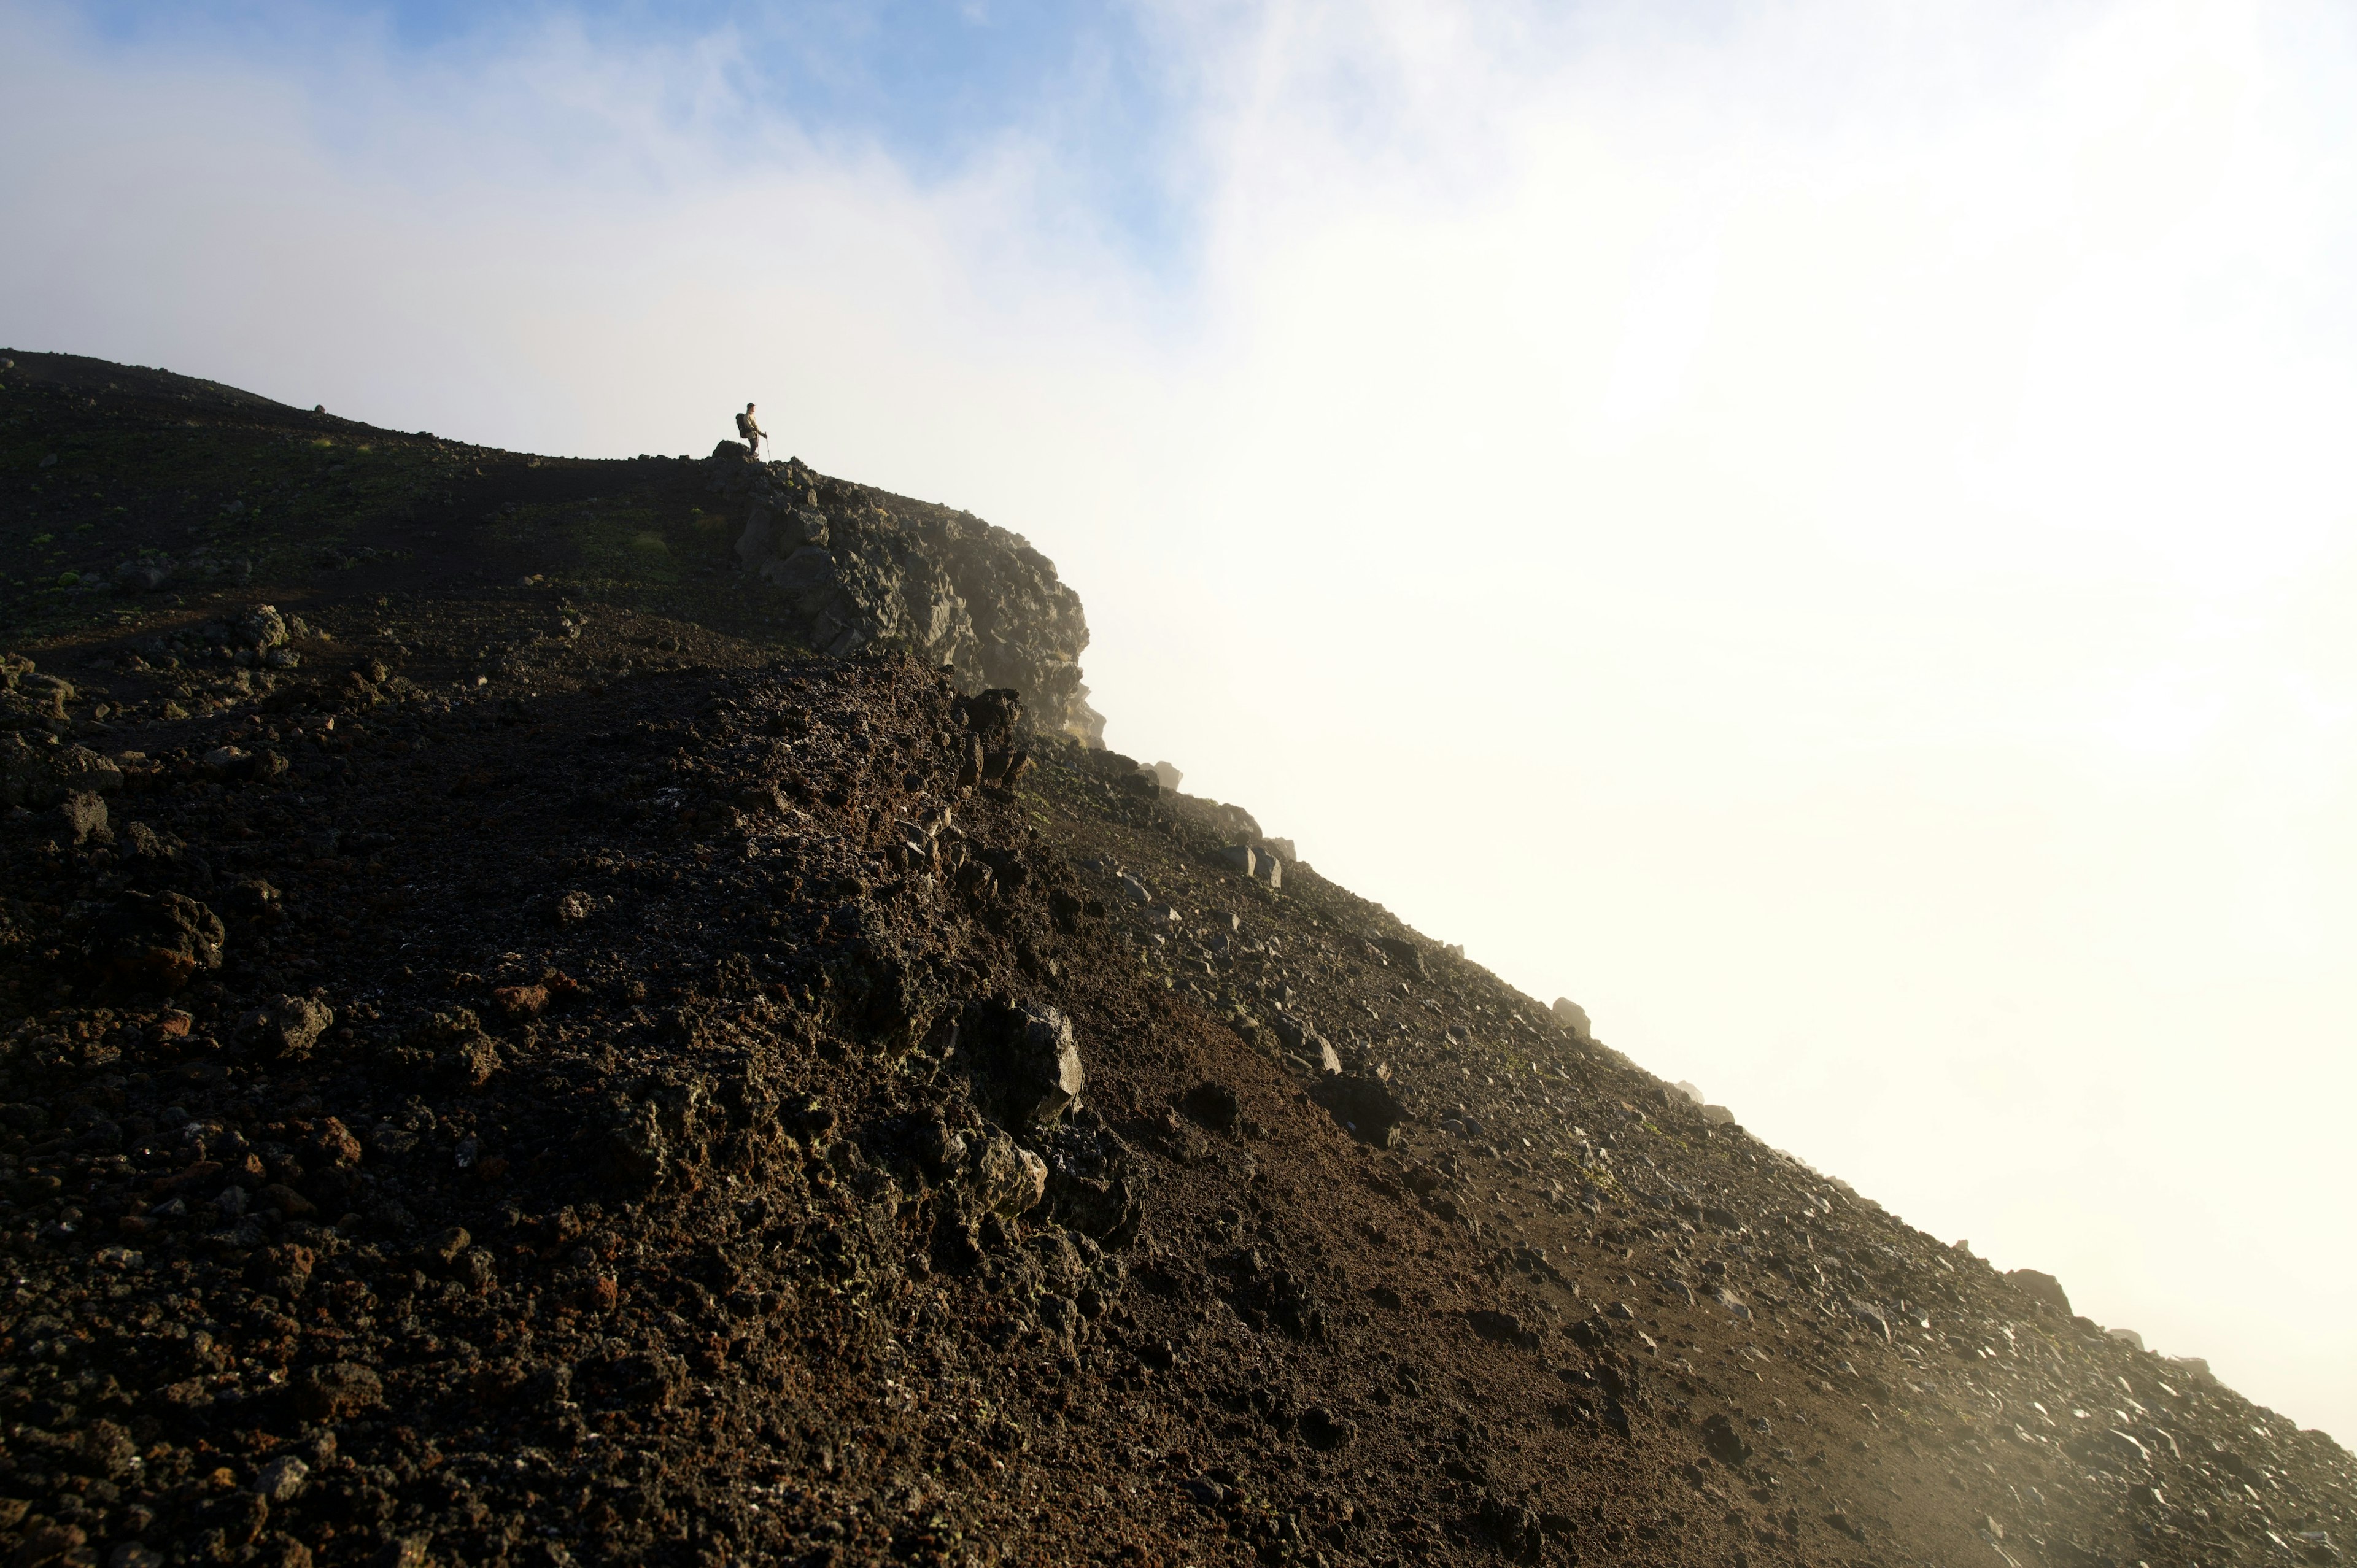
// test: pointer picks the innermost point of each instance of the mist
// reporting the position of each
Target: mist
(1819, 532)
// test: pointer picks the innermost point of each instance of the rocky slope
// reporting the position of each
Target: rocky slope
(496, 1073)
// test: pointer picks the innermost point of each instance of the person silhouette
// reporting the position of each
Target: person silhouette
(750, 429)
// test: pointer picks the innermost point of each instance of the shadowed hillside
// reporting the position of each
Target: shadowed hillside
(510, 1056)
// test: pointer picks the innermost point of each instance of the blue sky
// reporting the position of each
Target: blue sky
(934, 85)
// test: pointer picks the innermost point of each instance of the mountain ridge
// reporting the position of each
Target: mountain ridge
(512, 1055)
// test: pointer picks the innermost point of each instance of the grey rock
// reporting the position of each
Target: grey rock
(1574, 1019)
(1167, 775)
(1724, 1443)
(1240, 857)
(1033, 1061)
(282, 1479)
(878, 570)
(287, 1028)
(1007, 1177)
(775, 528)
(443, 1248)
(1305, 1042)
(262, 627)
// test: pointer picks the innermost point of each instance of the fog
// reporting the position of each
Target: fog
(1822, 531)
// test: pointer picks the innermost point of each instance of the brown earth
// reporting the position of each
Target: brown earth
(532, 1079)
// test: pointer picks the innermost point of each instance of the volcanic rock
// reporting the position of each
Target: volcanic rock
(777, 1223)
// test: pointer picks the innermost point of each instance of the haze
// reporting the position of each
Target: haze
(1820, 530)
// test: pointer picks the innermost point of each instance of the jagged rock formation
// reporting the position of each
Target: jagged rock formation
(862, 567)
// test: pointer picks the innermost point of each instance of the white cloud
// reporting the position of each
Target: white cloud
(1822, 536)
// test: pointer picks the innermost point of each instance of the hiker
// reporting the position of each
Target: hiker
(750, 430)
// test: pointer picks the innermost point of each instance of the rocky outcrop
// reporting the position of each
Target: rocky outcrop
(861, 567)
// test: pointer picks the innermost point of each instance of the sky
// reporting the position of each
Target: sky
(1820, 529)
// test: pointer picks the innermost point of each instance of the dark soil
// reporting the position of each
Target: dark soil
(537, 1078)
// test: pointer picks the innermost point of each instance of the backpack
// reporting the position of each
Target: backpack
(744, 427)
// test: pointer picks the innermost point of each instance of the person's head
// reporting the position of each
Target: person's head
(749, 408)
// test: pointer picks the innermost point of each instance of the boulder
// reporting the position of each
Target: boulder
(1007, 1177)
(1574, 1019)
(1304, 1041)
(2040, 1288)
(261, 627)
(1029, 1060)
(286, 1030)
(1403, 954)
(1724, 1443)
(1365, 1106)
